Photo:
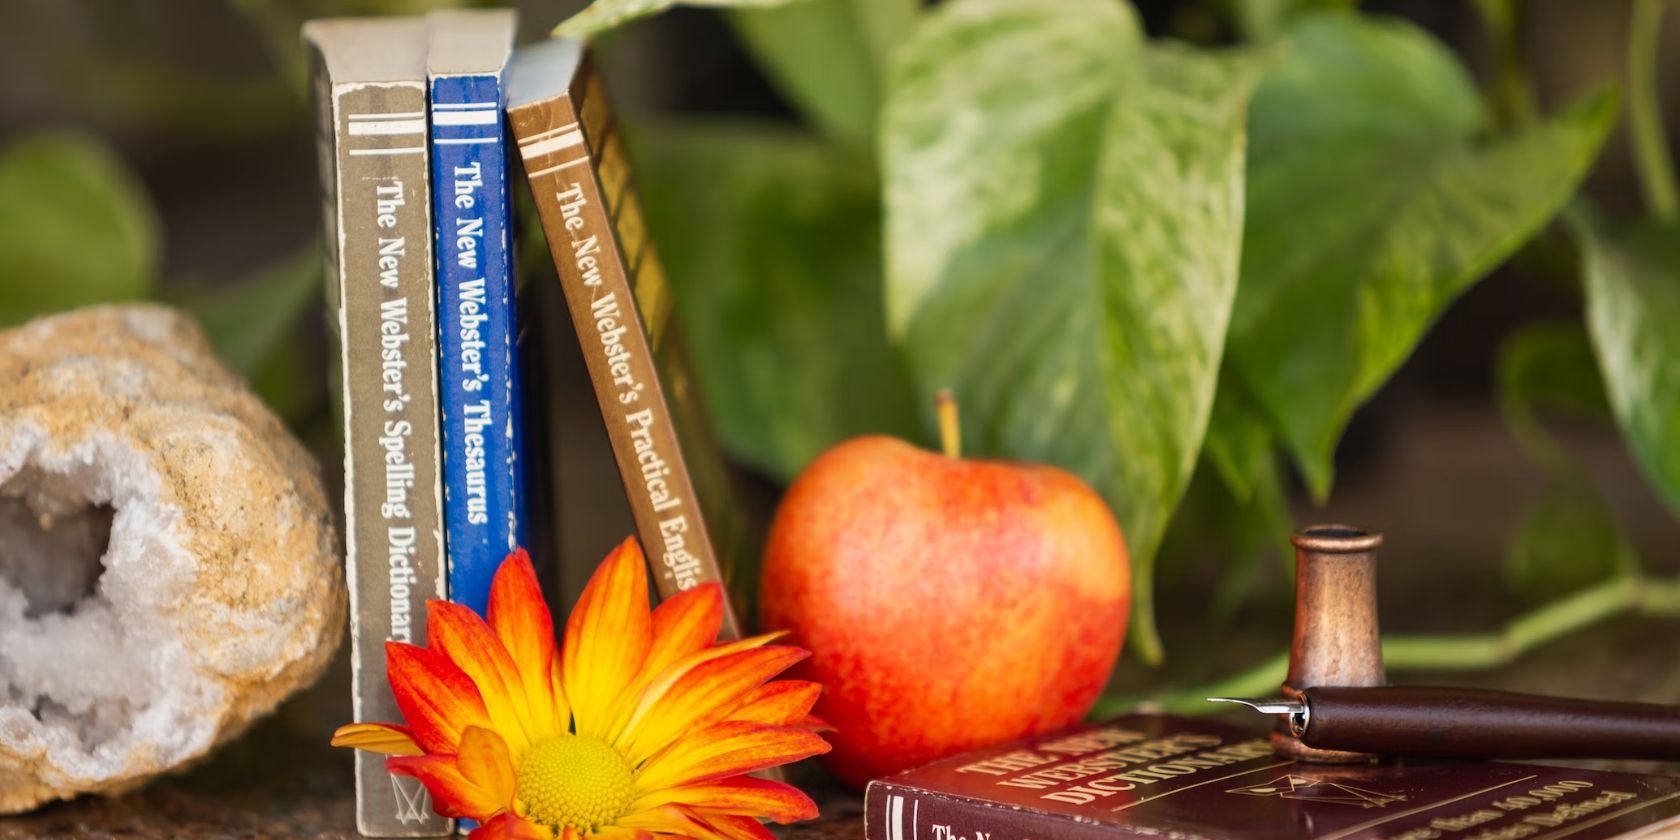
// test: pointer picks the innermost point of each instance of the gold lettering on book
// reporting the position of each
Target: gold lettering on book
(1572, 811)
(1091, 765)
(1007, 763)
(1465, 821)
(1088, 742)
(1559, 804)
(1088, 766)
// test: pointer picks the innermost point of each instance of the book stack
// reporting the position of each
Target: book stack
(445, 371)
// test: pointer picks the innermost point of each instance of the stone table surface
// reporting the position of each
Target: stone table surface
(314, 807)
(281, 781)
(170, 810)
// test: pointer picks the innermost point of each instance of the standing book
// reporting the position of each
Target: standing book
(621, 308)
(369, 84)
(1167, 777)
(484, 496)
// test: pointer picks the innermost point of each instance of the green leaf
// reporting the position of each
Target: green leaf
(248, 321)
(1548, 367)
(1370, 208)
(828, 57)
(1064, 213)
(75, 226)
(1567, 543)
(1239, 438)
(254, 326)
(773, 244)
(1633, 307)
(603, 15)
(1568, 540)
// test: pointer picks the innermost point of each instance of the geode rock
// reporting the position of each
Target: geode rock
(168, 566)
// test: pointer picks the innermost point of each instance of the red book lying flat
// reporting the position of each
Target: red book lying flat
(1184, 779)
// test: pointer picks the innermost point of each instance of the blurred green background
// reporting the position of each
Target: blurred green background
(1450, 188)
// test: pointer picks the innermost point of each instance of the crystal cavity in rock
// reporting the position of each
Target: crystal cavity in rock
(50, 548)
(168, 568)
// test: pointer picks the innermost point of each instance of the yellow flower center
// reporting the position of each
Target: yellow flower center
(570, 780)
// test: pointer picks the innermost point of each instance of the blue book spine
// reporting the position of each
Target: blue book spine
(478, 367)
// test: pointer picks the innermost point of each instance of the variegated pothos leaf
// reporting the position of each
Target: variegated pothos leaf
(1064, 213)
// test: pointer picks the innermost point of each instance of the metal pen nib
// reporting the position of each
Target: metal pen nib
(1300, 714)
(1265, 707)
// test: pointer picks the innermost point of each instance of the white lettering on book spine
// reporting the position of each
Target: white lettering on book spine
(475, 418)
(611, 327)
(397, 431)
(473, 309)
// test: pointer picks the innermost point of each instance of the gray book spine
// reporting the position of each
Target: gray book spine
(381, 298)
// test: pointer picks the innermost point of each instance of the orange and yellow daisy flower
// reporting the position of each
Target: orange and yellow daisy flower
(638, 725)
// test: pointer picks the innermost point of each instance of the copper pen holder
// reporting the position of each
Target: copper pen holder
(1336, 640)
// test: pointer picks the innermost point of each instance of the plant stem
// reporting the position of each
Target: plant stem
(1650, 145)
(1145, 635)
(1634, 595)
(1510, 95)
(950, 426)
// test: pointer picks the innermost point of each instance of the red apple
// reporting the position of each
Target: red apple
(947, 603)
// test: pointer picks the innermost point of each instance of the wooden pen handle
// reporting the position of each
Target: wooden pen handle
(1473, 723)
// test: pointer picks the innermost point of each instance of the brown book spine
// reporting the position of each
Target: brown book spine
(902, 812)
(379, 278)
(560, 139)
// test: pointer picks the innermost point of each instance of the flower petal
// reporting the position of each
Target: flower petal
(654, 686)
(778, 703)
(437, 699)
(743, 796)
(557, 688)
(727, 749)
(705, 694)
(522, 622)
(458, 633)
(667, 820)
(618, 832)
(484, 761)
(685, 624)
(607, 639)
(510, 826)
(453, 795)
(738, 828)
(384, 738)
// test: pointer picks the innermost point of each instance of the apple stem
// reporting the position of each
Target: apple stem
(950, 431)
